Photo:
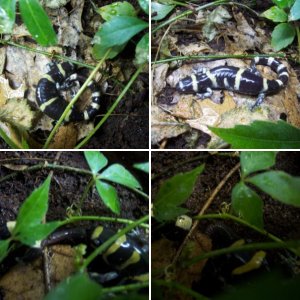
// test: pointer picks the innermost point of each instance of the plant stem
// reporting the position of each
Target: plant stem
(49, 54)
(112, 108)
(101, 219)
(110, 241)
(245, 223)
(66, 169)
(70, 105)
(124, 288)
(218, 56)
(247, 247)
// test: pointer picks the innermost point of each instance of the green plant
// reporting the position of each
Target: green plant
(173, 193)
(261, 135)
(120, 26)
(29, 227)
(34, 17)
(246, 203)
(286, 13)
(112, 174)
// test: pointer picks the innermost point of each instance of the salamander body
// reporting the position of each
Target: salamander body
(245, 81)
(61, 77)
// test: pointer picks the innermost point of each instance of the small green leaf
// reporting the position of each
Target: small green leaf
(120, 30)
(279, 185)
(295, 11)
(247, 204)
(77, 287)
(29, 235)
(142, 166)
(275, 14)
(96, 160)
(117, 32)
(33, 210)
(160, 11)
(174, 192)
(108, 195)
(4, 245)
(117, 173)
(144, 4)
(37, 22)
(282, 36)
(115, 9)
(7, 15)
(261, 135)
(252, 161)
(142, 50)
(282, 3)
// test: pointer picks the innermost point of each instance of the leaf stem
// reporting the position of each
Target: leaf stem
(112, 108)
(100, 219)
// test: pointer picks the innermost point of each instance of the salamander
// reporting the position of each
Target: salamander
(62, 77)
(247, 81)
(125, 258)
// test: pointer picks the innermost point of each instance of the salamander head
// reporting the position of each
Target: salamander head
(193, 84)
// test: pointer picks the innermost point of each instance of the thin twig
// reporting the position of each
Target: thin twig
(46, 260)
(204, 208)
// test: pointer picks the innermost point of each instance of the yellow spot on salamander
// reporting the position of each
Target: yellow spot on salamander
(114, 247)
(97, 232)
(253, 264)
(49, 102)
(133, 259)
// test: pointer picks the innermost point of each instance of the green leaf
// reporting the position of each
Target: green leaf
(108, 195)
(120, 30)
(96, 160)
(174, 192)
(275, 14)
(116, 33)
(295, 11)
(160, 11)
(33, 210)
(279, 185)
(261, 135)
(77, 287)
(142, 166)
(7, 15)
(282, 36)
(144, 4)
(99, 51)
(115, 9)
(142, 50)
(117, 173)
(247, 204)
(37, 22)
(29, 235)
(283, 3)
(8, 140)
(4, 245)
(252, 161)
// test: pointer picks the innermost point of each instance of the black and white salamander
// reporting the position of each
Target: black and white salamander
(126, 256)
(245, 81)
(62, 77)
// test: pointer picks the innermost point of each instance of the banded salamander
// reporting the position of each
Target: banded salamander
(245, 81)
(62, 77)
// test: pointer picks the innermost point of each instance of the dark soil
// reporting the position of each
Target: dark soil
(67, 187)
